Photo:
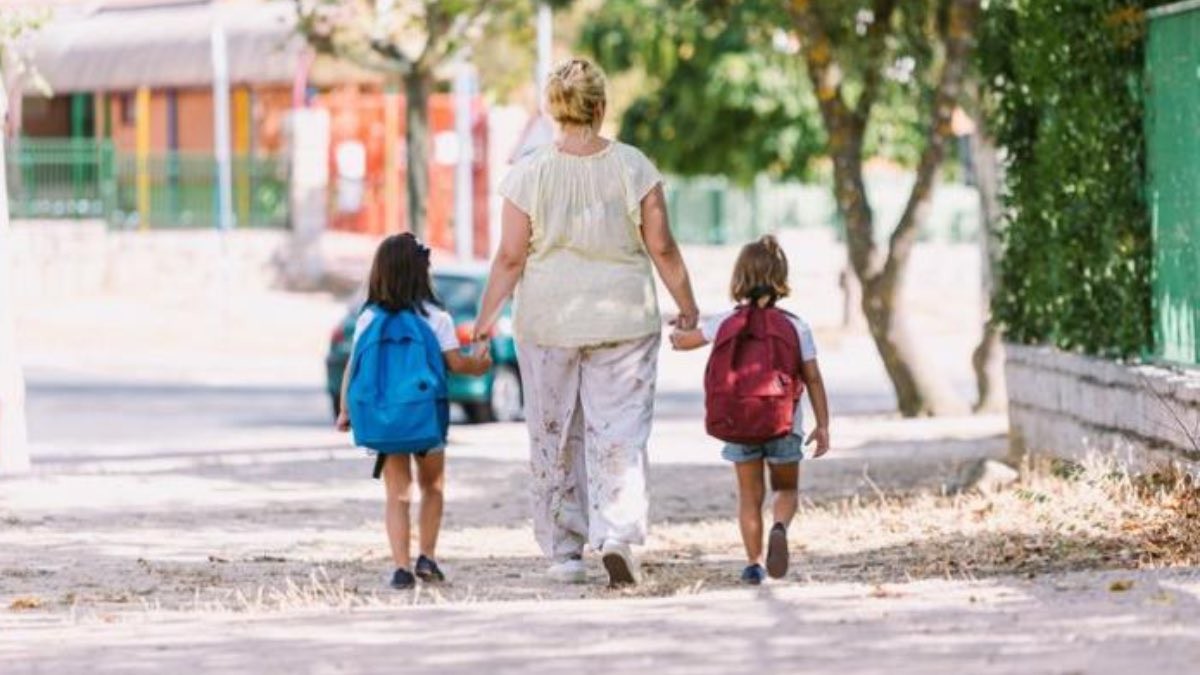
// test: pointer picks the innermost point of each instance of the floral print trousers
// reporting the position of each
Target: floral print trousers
(589, 412)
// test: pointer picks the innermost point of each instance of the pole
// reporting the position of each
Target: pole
(14, 445)
(545, 46)
(142, 144)
(221, 135)
(464, 186)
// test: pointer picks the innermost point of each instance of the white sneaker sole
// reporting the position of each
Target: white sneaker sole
(620, 569)
(573, 578)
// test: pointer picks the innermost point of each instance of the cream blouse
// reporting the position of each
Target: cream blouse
(587, 278)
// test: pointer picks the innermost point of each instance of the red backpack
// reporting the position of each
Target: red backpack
(752, 384)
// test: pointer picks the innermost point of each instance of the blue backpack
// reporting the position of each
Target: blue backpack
(397, 395)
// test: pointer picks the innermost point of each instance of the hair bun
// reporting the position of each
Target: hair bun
(575, 92)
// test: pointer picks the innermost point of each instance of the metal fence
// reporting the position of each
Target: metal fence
(84, 178)
(713, 211)
(1173, 160)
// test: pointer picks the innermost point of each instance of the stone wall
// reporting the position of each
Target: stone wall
(1069, 405)
(54, 259)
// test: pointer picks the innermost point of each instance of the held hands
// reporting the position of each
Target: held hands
(820, 435)
(481, 355)
(686, 320)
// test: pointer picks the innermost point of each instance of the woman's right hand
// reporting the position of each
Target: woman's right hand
(686, 320)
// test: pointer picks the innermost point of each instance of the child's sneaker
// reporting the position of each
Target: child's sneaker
(753, 575)
(777, 552)
(402, 579)
(569, 571)
(428, 571)
(619, 562)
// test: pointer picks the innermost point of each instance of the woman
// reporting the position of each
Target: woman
(584, 219)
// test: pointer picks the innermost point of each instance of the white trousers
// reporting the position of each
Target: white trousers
(589, 412)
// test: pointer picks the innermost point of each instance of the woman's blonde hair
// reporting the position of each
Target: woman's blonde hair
(575, 92)
(761, 271)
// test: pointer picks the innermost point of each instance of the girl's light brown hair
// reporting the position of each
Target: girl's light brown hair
(761, 271)
(575, 93)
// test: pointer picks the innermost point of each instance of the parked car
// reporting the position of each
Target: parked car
(496, 396)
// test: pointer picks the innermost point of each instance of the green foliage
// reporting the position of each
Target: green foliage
(722, 99)
(728, 91)
(1066, 78)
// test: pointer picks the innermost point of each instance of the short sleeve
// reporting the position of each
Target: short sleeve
(710, 326)
(443, 328)
(643, 175)
(360, 325)
(520, 186)
(808, 347)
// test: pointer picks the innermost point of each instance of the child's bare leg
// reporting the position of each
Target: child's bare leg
(785, 481)
(397, 481)
(750, 501)
(432, 478)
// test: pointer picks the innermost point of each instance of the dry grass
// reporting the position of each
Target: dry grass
(1057, 518)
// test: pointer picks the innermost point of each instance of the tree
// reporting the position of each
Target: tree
(884, 77)
(406, 42)
(721, 99)
(14, 449)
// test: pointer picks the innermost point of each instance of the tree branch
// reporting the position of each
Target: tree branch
(876, 55)
(845, 137)
(455, 30)
(959, 40)
(327, 34)
(823, 68)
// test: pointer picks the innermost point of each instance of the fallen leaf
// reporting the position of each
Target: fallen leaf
(880, 592)
(1120, 585)
(25, 602)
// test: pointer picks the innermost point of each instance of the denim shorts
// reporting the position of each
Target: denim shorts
(784, 450)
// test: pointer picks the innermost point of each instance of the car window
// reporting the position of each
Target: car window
(459, 294)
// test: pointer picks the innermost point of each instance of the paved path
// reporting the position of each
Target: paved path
(1053, 624)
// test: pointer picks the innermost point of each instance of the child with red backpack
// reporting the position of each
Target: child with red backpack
(762, 359)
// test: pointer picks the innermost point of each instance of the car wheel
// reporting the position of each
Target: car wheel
(505, 402)
(507, 398)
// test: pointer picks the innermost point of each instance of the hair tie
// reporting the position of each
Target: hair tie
(763, 291)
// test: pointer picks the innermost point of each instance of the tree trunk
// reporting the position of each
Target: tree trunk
(14, 449)
(988, 357)
(920, 388)
(417, 88)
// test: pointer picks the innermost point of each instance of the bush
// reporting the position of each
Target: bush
(1066, 80)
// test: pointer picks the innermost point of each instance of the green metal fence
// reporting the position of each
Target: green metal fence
(83, 178)
(60, 178)
(1173, 161)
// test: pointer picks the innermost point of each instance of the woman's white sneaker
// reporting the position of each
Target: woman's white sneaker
(622, 567)
(570, 571)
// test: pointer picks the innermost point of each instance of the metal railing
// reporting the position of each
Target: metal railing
(85, 178)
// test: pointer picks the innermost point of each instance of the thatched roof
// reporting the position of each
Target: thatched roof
(122, 46)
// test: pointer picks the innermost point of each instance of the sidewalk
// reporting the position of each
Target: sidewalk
(1052, 624)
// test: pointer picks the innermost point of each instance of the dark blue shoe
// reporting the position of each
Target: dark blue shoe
(428, 571)
(402, 579)
(753, 575)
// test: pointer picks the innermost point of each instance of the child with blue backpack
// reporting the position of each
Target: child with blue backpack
(394, 395)
(762, 358)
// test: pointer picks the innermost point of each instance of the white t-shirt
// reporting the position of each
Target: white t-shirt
(438, 320)
(710, 326)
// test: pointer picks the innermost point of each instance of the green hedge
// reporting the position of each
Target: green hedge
(1065, 78)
